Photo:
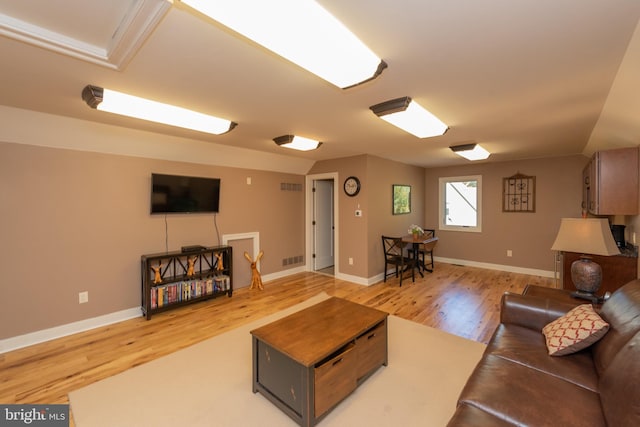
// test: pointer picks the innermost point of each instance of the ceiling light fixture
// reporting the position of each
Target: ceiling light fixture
(297, 142)
(409, 116)
(302, 32)
(145, 109)
(470, 151)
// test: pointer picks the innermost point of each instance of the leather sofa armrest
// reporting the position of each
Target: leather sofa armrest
(532, 312)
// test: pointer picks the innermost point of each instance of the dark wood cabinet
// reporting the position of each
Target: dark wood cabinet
(616, 270)
(173, 279)
(610, 183)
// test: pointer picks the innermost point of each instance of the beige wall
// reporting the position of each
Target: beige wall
(528, 235)
(75, 221)
(360, 236)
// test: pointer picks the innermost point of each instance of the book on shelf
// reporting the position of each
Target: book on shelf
(171, 293)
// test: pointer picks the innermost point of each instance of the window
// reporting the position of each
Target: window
(461, 203)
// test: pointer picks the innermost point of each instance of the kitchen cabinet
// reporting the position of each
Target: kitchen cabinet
(610, 183)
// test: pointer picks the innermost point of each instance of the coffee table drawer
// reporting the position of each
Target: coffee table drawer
(281, 376)
(371, 348)
(335, 379)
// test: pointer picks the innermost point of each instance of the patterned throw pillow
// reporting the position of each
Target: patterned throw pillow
(574, 331)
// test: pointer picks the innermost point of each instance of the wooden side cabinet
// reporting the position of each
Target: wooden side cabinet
(617, 270)
(610, 182)
(173, 279)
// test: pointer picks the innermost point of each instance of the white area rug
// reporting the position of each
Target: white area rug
(209, 384)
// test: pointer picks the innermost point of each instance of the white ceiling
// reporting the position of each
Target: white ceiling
(526, 79)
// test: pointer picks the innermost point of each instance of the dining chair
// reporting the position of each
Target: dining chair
(394, 254)
(425, 250)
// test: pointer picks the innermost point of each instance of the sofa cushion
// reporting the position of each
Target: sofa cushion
(532, 312)
(526, 396)
(619, 389)
(527, 347)
(470, 416)
(574, 331)
(622, 312)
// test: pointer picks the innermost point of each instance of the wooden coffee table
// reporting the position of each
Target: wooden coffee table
(309, 361)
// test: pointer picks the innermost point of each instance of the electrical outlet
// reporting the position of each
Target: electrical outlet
(509, 252)
(83, 297)
(350, 261)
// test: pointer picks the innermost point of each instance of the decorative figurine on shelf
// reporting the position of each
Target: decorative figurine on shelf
(157, 278)
(219, 263)
(256, 280)
(190, 261)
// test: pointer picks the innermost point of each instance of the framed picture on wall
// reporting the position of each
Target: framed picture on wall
(401, 199)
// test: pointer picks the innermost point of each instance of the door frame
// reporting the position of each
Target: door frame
(309, 220)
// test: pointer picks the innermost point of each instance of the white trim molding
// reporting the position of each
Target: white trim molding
(499, 267)
(37, 337)
(136, 25)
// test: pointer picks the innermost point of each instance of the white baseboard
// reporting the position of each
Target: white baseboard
(37, 337)
(283, 273)
(499, 267)
(15, 343)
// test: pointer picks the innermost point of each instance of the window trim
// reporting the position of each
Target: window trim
(441, 204)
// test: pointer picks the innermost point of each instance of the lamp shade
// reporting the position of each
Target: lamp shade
(590, 236)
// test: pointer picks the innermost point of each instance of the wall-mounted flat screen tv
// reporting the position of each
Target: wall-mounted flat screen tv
(184, 194)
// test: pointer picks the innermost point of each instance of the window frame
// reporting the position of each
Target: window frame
(443, 181)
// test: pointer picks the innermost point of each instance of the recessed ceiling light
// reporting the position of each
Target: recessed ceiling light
(297, 142)
(409, 116)
(302, 32)
(470, 151)
(128, 105)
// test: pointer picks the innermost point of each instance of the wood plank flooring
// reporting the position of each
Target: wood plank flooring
(464, 301)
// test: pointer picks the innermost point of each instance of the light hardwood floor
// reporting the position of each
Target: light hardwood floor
(464, 301)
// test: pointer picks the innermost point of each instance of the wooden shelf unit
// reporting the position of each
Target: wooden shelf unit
(169, 281)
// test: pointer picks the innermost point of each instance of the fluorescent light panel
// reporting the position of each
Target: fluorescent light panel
(297, 142)
(410, 116)
(128, 105)
(302, 32)
(471, 151)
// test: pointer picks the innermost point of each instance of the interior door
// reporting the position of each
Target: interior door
(323, 230)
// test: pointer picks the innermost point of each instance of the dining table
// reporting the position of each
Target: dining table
(428, 240)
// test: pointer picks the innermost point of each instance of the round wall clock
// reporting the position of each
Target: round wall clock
(352, 186)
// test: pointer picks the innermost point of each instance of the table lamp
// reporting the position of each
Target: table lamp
(587, 236)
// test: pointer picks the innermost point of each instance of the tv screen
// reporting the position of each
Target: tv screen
(184, 194)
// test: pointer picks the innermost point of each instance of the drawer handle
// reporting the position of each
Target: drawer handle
(266, 353)
(337, 361)
(371, 336)
(293, 393)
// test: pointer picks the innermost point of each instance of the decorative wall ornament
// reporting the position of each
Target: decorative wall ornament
(519, 193)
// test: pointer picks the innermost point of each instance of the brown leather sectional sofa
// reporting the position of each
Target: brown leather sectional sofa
(518, 383)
